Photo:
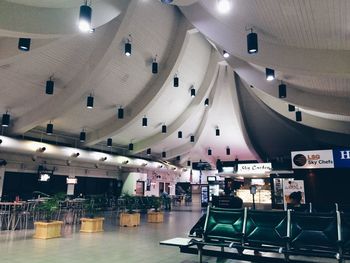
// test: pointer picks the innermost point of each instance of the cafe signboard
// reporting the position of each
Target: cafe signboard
(253, 168)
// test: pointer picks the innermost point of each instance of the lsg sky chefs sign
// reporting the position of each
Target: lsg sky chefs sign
(312, 159)
(253, 168)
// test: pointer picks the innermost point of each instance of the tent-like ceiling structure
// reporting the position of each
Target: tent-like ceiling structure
(235, 112)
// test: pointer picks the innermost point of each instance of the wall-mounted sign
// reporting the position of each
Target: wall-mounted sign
(341, 158)
(290, 186)
(253, 168)
(312, 159)
(71, 180)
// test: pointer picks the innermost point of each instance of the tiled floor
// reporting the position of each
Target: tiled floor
(116, 244)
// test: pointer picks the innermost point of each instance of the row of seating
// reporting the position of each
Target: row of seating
(284, 232)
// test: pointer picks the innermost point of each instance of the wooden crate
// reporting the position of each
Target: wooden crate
(155, 217)
(128, 220)
(46, 230)
(91, 225)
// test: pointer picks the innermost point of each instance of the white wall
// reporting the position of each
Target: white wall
(196, 178)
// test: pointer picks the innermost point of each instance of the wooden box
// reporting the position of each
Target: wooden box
(91, 225)
(46, 230)
(155, 217)
(129, 219)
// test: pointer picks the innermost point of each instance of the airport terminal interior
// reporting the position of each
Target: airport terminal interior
(174, 131)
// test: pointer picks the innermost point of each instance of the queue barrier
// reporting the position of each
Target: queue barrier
(286, 234)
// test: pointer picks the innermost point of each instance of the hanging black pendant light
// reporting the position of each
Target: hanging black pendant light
(109, 142)
(282, 91)
(120, 113)
(193, 92)
(192, 138)
(85, 18)
(291, 107)
(178, 158)
(206, 102)
(49, 128)
(179, 134)
(154, 66)
(49, 86)
(163, 128)
(298, 117)
(176, 81)
(149, 151)
(228, 151)
(82, 136)
(209, 151)
(5, 122)
(127, 47)
(24, 44)
(188, 163)
(270, 74)
(163, 154)
(90, 102)
(131, 146)
(217, 131)
(144, 121)
(252, 42)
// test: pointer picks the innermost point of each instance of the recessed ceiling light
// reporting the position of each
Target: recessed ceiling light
(225, 54)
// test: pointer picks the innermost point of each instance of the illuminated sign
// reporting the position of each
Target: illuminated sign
(312, 159)
(72, 180)
(253, 168)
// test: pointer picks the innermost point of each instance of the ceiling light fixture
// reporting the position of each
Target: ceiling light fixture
(206, 102)
(270, 74)
(178, 158)
(131, 146)
(49, 128)
(90, 102)
(166, 1)
(24, 44)
(188, 163)
(225, 54)
(163, 154)
(127, 47)
(155, 65)
(148, 151)
(192, 138)
(176, 81)
(217, 131)
(209, 152)
(193, 92)
(291, 107)
(252, 42)
(282, 90)
(102, 160)
(163, 128)
(298, 116)
(228, 151)
(144, 121)
(49, 86)
(120, 113)
(109, 142)
(224, 6)
(179, 134)
(82, 136)
(5, 122)
(85, 18)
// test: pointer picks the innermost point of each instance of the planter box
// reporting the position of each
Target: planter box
(129, 219)
(46, 230)
(155, 217)
(91, 225)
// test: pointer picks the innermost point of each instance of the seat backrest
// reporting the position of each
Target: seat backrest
(345, 231)
(324, 208)
(313, 231)
(224, 224)
(266, 227)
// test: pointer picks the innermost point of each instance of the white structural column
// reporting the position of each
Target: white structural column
(193, 107)
(109, 41)
(150, 93)
(2, 178)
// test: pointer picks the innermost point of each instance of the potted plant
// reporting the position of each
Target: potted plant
(90, 223)
(155, 215)
(129, 217)
(48, 227)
